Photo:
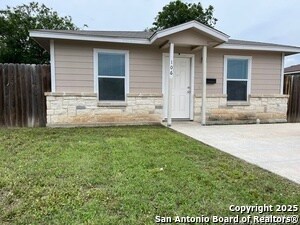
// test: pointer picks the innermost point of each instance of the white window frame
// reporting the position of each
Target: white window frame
(249, 58)
(96, 76)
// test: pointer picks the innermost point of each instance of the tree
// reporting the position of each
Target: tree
(177, 12)
(15, 23)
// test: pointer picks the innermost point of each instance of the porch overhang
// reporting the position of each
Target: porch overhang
(203, 51)
(188, 36)
(197, 34)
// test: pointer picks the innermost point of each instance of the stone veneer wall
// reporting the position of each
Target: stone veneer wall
(84, 109)
(265, 108)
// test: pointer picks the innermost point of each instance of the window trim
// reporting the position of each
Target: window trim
(249, 58)
(96, 76)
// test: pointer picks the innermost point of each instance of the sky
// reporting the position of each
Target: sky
(275, 21)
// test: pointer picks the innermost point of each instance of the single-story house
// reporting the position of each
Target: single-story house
(187, 72)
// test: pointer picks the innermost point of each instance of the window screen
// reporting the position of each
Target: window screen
(111, 76)
(237, 79)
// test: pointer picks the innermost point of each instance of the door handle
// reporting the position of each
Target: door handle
(189, 89)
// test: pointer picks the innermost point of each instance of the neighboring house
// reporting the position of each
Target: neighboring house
(292, 88)
(122, 77)
(292, 70)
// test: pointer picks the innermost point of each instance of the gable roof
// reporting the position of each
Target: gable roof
(147, 38)
(133, 37)
(220, 36)
(292, 69)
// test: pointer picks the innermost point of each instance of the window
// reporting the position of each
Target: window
(111, 74)
(237, 71)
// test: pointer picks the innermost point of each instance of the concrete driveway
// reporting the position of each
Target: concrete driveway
(274, 147)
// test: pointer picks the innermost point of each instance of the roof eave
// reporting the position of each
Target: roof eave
(291, 73)
(285, 49)
(51, 35)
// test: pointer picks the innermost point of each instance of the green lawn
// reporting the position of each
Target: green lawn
(124, 175)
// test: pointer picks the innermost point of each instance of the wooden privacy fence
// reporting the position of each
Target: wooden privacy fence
(292, 88)
(22, 100)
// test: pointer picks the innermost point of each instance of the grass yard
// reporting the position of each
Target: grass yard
(124, 175)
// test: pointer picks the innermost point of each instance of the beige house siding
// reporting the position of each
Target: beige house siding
(74, 68)
(265, 76)
(145, 69)
(188, 37)
(266, 73)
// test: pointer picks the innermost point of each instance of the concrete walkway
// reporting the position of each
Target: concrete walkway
(274, 147)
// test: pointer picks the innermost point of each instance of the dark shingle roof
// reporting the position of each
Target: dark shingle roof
(292, 69)
(254, 43)
(147, 35)
(115, 34)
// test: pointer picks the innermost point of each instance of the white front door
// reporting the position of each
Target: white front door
(181, 91)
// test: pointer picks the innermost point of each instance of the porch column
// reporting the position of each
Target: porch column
(204, 67)
(170, 82)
